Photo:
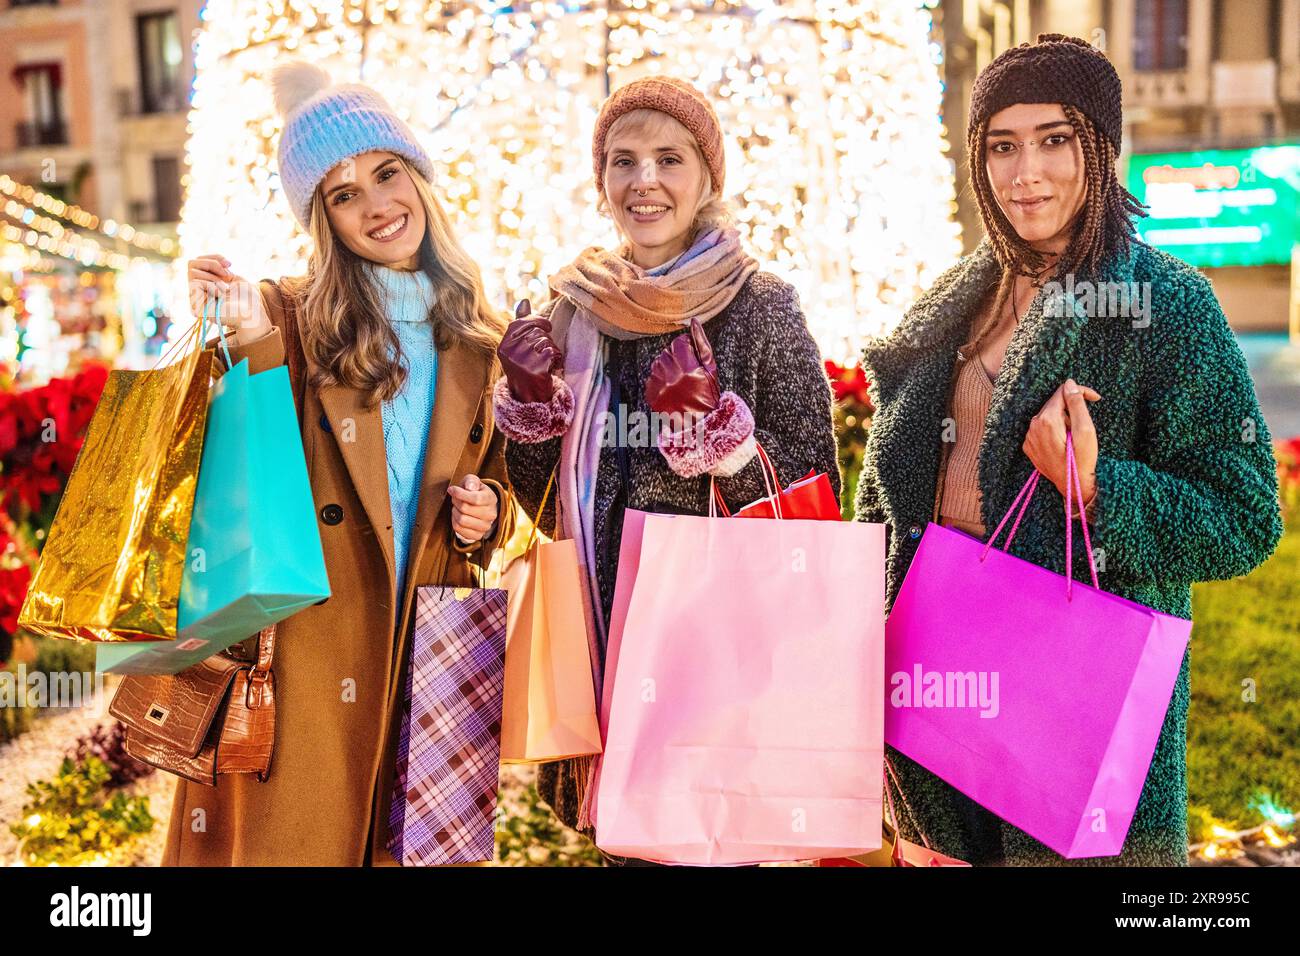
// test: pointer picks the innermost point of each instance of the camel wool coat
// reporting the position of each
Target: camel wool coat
(339, 666)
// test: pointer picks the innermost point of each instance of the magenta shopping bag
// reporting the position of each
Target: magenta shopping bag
(1039, 699)
(743, 691)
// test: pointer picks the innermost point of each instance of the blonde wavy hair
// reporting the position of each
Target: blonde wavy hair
(345, 331)
(711, 210)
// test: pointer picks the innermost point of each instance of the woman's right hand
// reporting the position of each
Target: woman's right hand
(528, 356)
(242, 309)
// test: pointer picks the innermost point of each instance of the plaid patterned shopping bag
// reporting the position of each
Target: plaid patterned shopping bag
(449, 745)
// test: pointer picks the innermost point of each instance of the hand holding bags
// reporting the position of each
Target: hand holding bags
(550, 703)
(254, 555)
(744, 686)
(1040, 700)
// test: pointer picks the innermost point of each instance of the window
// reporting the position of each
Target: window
(1160, 35)
(166, 189)
(42, 86)
(158, 42)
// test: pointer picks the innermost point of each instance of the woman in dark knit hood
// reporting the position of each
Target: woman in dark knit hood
(1062, 319)
(679, 322)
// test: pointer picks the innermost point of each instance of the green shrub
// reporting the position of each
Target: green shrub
(55, 656)
(15, 720)
(529, 835)
(68, 821)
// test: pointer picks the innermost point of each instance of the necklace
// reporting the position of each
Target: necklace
(1011, 301)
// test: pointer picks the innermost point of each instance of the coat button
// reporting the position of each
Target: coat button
(331, 514)
(914, 532)
(325, 422)
(476, 434)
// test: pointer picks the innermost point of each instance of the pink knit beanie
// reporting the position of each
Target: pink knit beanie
(679, 100)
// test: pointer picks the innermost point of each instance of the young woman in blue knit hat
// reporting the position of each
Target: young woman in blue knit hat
(391, 345)
(986, 373)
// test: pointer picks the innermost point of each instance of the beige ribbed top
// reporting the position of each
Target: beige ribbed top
(972, 393)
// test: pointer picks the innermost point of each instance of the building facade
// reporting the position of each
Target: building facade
(95, 102)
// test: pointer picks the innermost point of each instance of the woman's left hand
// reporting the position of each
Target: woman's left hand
(473, 509)
(1045, 441)
(684, 378)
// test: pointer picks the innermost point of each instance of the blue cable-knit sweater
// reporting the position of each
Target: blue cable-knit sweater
(408, 298)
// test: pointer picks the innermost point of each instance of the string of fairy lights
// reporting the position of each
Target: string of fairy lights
(45, 224)
(837, 165)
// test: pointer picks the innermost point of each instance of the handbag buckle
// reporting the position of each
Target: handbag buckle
(157, 714)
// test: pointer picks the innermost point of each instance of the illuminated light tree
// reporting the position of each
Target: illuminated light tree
(836, 161)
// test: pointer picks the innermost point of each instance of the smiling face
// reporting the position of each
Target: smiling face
(1035, 167)
(374, 209)
(654, 184)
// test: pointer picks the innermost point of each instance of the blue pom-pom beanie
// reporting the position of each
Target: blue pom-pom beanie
(325, 123)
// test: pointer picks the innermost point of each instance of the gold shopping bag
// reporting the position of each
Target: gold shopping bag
(112, 564)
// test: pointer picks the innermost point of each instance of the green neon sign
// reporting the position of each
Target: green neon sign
(1224, 207)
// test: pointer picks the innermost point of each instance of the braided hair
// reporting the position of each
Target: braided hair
(1103, 226)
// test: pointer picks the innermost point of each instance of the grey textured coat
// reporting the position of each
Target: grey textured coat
(765, 355)
(1187, 486)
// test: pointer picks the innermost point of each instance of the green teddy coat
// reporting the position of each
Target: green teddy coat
(1187, 485)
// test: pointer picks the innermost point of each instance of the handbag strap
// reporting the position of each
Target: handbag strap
(1073, 489)
(283, 304)
(259, 677)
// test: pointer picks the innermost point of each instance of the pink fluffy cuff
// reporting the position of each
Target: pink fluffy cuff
(532, 422)
(720, 445)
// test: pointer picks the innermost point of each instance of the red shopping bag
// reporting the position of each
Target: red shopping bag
(811, 497)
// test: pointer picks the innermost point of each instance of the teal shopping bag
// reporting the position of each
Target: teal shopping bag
(254, 555)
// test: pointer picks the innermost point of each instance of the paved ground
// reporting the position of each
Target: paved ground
(1275, 366)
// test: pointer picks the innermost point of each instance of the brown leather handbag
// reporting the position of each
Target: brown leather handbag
(215, 717)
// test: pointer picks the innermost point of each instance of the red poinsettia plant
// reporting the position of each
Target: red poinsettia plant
(853, 411)
(17, 558)
(41, 432)
(849, 383)
(1288, 472)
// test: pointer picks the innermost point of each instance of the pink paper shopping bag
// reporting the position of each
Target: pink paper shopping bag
(1039, 699)
(743, 691)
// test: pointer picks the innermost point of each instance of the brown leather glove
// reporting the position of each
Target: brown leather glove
(684, 378)
(528, 356)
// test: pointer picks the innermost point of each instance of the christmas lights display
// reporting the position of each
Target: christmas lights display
(837, 165)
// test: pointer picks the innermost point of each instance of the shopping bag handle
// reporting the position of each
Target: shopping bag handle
(221, 335)
(541, 510)
(199, 336)
(893, 813)
(773, 486)
(532, 533)
(1073, 489)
